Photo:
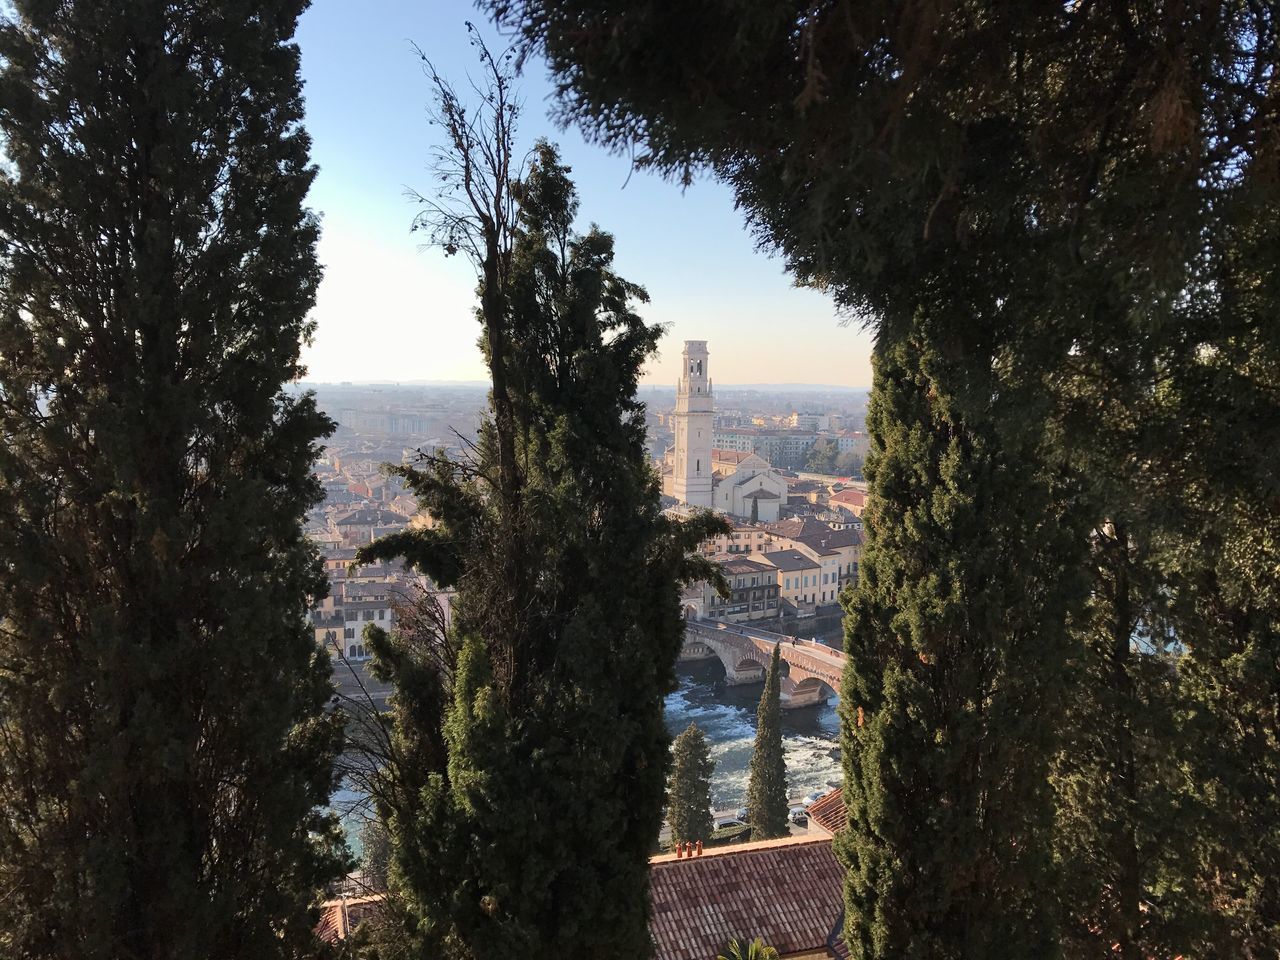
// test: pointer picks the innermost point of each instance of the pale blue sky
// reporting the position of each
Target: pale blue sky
(390, 311)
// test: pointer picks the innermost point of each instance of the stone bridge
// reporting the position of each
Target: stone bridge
(813, 669)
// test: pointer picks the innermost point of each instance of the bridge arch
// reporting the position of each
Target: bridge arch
(811, 671)
(812, 684)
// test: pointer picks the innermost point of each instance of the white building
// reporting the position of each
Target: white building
(751, 481)
(809, 421)
(747, 487)
(690, 480)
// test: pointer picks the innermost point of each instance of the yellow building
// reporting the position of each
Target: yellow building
(836, 552)
(799, 577)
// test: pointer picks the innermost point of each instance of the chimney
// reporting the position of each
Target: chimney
(699, 849)
(679, 851)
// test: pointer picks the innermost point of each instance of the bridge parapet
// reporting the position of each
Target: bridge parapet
(813, 669)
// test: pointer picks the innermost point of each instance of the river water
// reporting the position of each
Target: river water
(727, 716)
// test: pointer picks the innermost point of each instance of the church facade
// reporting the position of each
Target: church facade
(751, 489)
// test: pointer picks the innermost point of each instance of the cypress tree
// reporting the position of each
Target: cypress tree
(164, 748)
(949, 703)
(767, 805)
(537, 711)
(1229, 686)
(1121, 832)
(689, 793)
(1214, 559)
(1224, 565)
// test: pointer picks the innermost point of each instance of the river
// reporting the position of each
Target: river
(727, 716)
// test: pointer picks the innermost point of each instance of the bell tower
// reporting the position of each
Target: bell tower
(693, 416)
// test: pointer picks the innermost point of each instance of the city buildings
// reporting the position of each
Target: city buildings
(696, 473)
(798, 576)
(753, 591)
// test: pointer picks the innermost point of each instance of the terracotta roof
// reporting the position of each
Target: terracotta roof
(338, 918)
(760, 495)
(789, 892)
(851, 496)
(829, 812)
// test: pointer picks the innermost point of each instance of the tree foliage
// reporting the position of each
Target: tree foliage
(533, 720)
(375, 853)
(689, 790)
(951, 694)
(164, 748)
(755, 949)
(1081, 198)
(767, 805)
(825, 457)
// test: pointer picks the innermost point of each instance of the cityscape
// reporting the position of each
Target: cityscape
(786, 562)
(639, 481)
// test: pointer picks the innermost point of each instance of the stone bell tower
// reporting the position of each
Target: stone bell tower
(693, 416)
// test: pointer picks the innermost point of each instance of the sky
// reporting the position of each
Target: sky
(389, 310)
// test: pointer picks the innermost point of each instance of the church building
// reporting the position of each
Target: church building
(699, 476)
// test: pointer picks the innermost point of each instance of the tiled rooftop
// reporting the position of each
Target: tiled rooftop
(829, 812)
(851, 496)
(788, 891)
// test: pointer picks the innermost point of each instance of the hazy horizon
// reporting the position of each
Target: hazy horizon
(646, 386)
(388, 311)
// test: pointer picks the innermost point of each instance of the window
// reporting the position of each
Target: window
(382, 614)
(351, 651)
(698, 468)
(368, 614)
(348, 633)
(352, 615)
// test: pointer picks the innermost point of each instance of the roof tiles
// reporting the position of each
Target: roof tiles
(829, 812)
(788, 892)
